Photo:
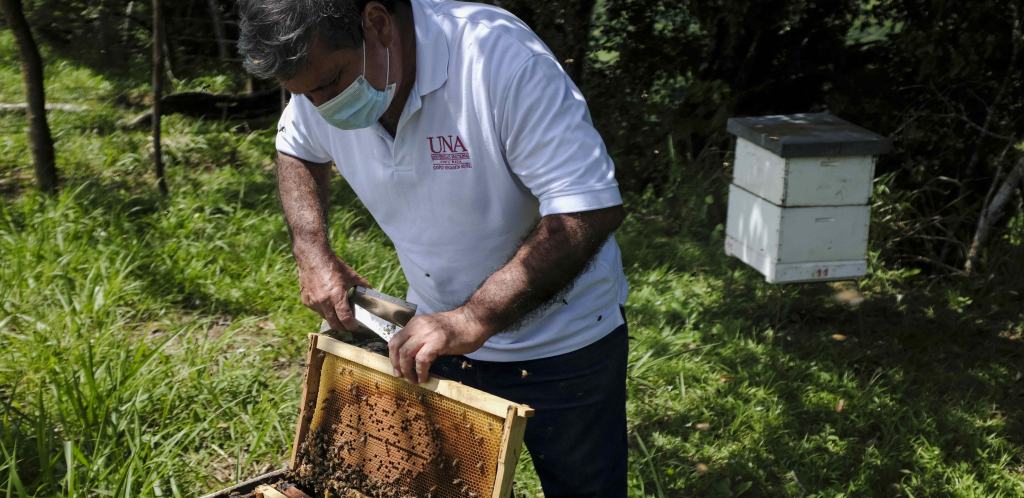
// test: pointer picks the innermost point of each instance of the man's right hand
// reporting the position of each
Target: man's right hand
(324, 279)
(324, 288)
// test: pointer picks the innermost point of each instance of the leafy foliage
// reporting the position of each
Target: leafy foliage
(931, 75)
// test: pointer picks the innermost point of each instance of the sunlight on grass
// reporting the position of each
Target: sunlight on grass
(154, 346)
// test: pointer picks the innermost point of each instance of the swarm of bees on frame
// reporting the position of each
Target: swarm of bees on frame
(325, 463)
(321, 468)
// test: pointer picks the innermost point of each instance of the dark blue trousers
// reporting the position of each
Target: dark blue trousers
(577, 436)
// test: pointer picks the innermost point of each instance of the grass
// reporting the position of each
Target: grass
(154, 346)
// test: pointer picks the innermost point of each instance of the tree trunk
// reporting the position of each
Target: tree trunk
(218, 30)
(211, 105)
(158, 83)
(107, 52)
(32, 72)
(127, 21)
(579, 39)
(991, 214)
(168, 55)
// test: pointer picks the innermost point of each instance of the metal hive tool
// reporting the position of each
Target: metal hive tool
(392, 438)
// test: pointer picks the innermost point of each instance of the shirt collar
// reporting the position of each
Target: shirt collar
(431, 48)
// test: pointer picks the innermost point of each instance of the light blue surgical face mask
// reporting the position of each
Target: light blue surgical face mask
(360, 105)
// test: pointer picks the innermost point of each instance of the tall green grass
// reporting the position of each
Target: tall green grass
(151, 346)
(142, 350)
(154, 346)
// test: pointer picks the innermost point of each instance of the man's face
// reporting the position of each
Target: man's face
(329, 72)
(326, 73)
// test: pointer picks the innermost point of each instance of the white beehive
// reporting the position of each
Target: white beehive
(803, 181)
(798, 205)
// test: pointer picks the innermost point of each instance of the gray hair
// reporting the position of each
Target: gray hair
(276, 36)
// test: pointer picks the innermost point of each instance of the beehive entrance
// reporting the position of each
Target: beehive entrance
(387, 437)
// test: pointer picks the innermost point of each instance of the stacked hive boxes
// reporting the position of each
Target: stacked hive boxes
(798, 205)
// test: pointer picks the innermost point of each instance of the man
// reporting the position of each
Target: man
(476, 155)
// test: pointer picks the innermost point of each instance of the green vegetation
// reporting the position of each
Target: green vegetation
(154, 346)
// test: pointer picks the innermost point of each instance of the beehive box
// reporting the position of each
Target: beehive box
(803, 181)
(799, 244)
(249, 486)
(361, 431)
(799, 203)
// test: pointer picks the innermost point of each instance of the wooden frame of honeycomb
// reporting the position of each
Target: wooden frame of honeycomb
(439, 439)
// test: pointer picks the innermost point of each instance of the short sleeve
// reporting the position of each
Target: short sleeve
(551, 144)
(297, 132)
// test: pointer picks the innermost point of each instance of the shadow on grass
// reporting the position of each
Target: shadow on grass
(931, 393)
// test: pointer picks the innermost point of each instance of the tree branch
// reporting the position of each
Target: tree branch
(992, 213)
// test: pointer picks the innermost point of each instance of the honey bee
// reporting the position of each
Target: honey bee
(525, 373)
(773, 139)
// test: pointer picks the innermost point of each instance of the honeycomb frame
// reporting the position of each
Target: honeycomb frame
(439, 439)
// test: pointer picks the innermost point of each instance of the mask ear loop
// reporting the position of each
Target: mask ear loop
(387, 75)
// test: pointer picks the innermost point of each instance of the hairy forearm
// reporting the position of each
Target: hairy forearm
(551, 258)
(304, 188)
(548, 262)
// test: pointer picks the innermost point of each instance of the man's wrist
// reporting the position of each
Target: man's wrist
(475, 323)
(313, 255)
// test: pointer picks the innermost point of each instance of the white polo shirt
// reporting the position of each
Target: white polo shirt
(494, 135)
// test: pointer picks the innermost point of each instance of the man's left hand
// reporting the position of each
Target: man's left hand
(414, 348)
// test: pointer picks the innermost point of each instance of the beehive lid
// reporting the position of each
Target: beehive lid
(387, 437)
(809, 135)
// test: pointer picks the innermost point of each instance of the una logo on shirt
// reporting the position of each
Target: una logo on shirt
(448, 153)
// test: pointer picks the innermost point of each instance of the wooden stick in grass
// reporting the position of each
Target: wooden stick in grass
(158, 84)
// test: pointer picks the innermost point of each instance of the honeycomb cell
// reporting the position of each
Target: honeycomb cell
(402, 439)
